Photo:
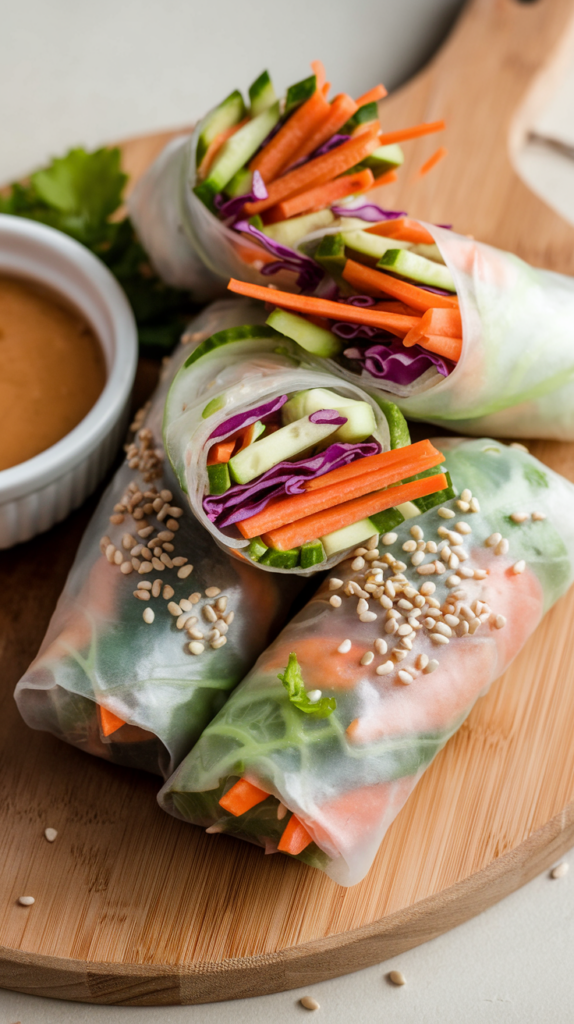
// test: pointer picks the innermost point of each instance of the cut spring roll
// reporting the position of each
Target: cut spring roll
(318, 749)
(252, 419)
(156, 624)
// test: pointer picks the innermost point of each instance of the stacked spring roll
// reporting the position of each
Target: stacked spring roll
(286, 465)
(156, 624)
(318, 749)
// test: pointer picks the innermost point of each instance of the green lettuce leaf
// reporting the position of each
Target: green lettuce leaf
(293, 682)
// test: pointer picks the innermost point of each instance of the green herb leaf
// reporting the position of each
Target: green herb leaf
(535, 477)
(293, 682)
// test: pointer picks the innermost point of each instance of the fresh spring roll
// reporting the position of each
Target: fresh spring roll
(318, 749)
(286, 465)
(192, 209)
(456, 332)
(156, 624)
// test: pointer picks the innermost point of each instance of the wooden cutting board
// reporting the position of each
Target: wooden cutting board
(133, 907)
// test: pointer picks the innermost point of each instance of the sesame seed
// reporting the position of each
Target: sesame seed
(391, 626)
(212, 591)
(145, 531)
(173, 608)
(334, 583)
(158, 566)
(165, 535)
(385, 668)
(463, 527)
(499, 621)
(138, 513)
(309, 1003)
(372, 556)
(410, 545)
(146, 554)
(195, 647)
(451, 620)
(427, 570)
(407, 642)
(453, 581)
(381, 646)
(538, 516)
(142, 595)
(209, 614)
(367, 658)
(117, 518)
(502, 547)
(397, 978)
(422, 661)
(219, 642)
(446, 513)
(432, 602)
(560, 870)
(385, 601)
(431, 547)
(405, 629)
(194, 634)
(405, 677)
(362, 606)
(429, 623)
(166, 495)
(480, 574)
(180, 560)
(390, 589)
(229, 618)
(462, 628)
(473, 625)
(358, 563)
(344, 647)
(358, 551)
(519, 566)
(367, 617)
(126, 568)
(519, 517)
(399, 566)
(417, 558)
(389, 538)
(520, 447)
(439, 568)
(428, 588)
(445, 552)
(184, 572)
(145, 567)
(110, 552)
(314, 696)
(438, 638)
(443, 629)
(148, 615)
(466, 494)
(403, 603)
(195, 598)
(464, 506)
(474, 505)
(164, 557)
(136, 563)
(26, 901)
(144, 585)
(335, 601)
(431, 667)
(167, 592)
(172, 524)
(373, 542)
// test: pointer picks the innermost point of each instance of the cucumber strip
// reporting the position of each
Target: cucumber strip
(261, 94)
(317, 340)
(290, 231)
(235, 153)
(368, 112)
(256, 549)
(240, 183)
(383, 159)
(387, 520)
(416, 268)
(312, 554)
(218, 477)
(330, 253)
(299, 93)
(374, 246)
(348, 536)
(226, 115)
(398, 427)
(280, 559)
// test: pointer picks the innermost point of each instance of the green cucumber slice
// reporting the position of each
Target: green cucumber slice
(226, 115)
(416, 268)
(261, 94)
(381, 160)
(397, 424)
(235, 153)
(299, 93)
(214, 406)
(218, 477)
(368, 112)
(290, 231)
(283, 444)
(361, 422)
(431, 500)
(330, 254)
(374, 246)
(387, 520)
(313, 339)
(348, 536)
(312, 554)
(280, 559)
(409, 510)
(256, 549)
(227, 337)
(240, 183)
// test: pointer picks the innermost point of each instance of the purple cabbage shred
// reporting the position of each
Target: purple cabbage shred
(367, 211)
(244, 500)
(245, 419)
(232, 207)
(350, 331)
(398, 364)
(328, 416)
(309, 273)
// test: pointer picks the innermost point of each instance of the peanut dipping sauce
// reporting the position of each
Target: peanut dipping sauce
(52, 369)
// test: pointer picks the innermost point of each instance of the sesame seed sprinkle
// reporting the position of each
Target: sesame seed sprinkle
(344, 647)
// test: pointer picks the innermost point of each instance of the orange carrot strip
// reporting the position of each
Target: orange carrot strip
(411, 133)
(220, 452)
(385, 179)
(393, 306)
(242, 797)
(378, 92)
(341, 109)
(278, 153)
(362, 128)
(318, 69)
(110, 723)
(445, 322)
(411, 453)
(432, 161)
(317, 172)
(393, 322)
(285, 511)
(375, 282)
(321, 523)
(450, 348)
(404, 229)
(322, 196)
(295, 838)
(326, 88)
(215, 146)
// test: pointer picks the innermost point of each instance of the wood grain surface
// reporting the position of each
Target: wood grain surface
(136, 908)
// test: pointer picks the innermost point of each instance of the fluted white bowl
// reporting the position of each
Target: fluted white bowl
(42, 491)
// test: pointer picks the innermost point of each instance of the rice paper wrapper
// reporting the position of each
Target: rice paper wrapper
(347, 776)
(230, 378)
(98, 649)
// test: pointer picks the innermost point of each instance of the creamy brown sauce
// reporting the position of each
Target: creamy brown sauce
(52, 370)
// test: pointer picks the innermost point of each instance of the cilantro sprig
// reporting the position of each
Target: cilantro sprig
(79, 194)
(293, 682)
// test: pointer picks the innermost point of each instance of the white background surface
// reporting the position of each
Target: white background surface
(72, 73)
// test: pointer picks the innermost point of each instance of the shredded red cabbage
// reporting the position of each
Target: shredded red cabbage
(231, 207)
(244, 500)
(428, 288)
(245, 419)
(398, 364)
(309, 273)
(367, 211)
(350, 331)
(328, 416)
(364, 301)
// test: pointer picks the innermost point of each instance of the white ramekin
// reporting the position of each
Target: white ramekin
(41, 491)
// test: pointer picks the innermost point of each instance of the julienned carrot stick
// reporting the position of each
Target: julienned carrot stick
(411, 133)
(393, 322)
(404, 229)
(295, 838)
(110, 723)
(411, 453)
(378, 92)
(432, 161)
(445, 322)
(375, 282)
(277, 154)
(285, 511)
(220, 452)
(342, 108)
(242, 797)
(322, 196)
(385, 179)
(450, 348)
(318, 69)
(215, 146)
(295, 534)
(317, 172)
(394, 306)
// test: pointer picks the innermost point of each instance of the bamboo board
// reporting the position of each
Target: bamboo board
(135, 908)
